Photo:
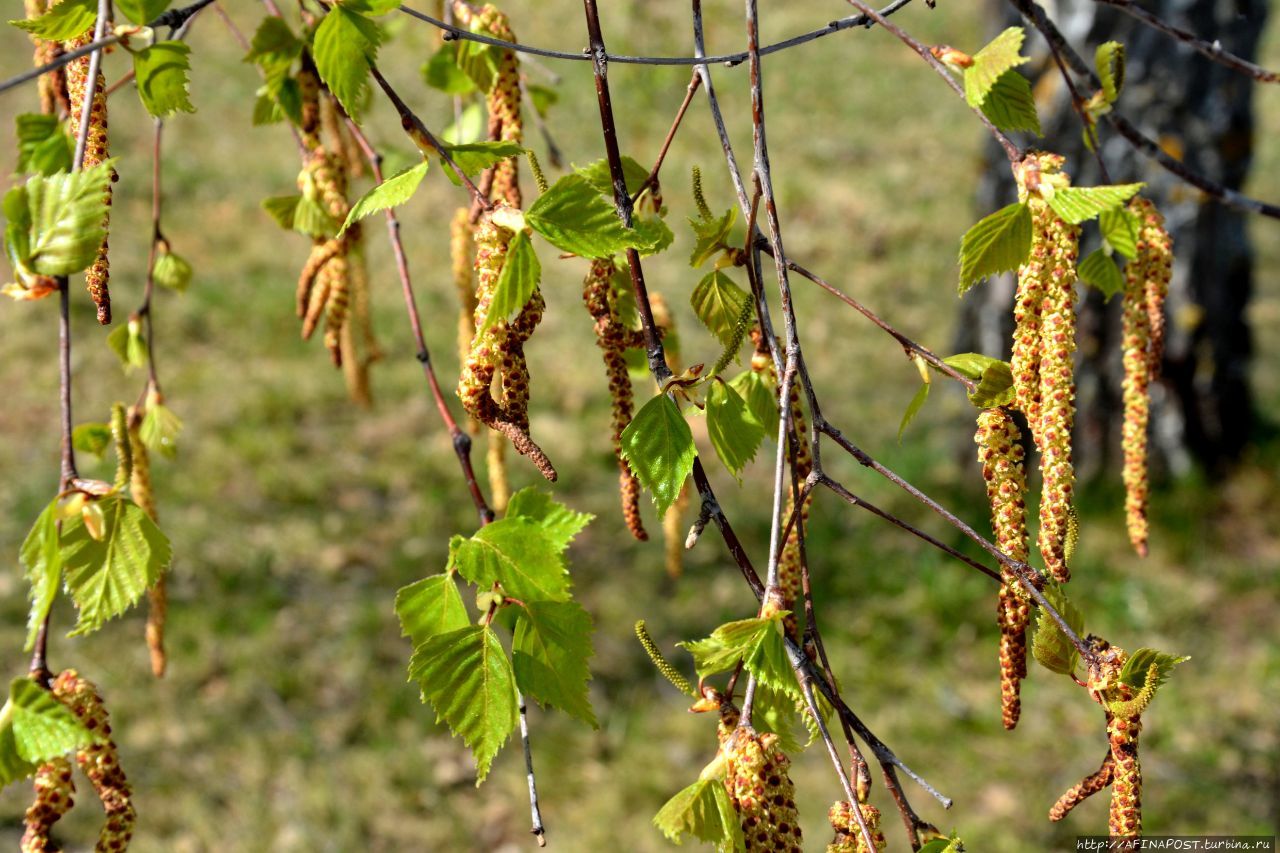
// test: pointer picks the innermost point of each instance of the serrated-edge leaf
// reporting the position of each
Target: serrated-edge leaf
(761, 399)
(998, 243)
(519, 278)
(44, 728)
(430, 607)
(969, 364)
(658, 446)
(161, 71)
(1010, 105)
(717, 301)
(995, 388)
(41, 556)
(393, 192)
(63, 22)
(575, 218)
(710, 233)
(1001, 54)
(1120, 229)
(771, 665)
(1050, 646)
(729, 643)
(696, 810)
(172, 271)
(734, 431)
(1100, 271)
(519, 554)
(913, 408)
(1109, 60)
(1135, 669)
(549, 655)
(344, 46)
(67, 213)
(467, 677)
(560, 523)
(1080, 204)
(474, 157)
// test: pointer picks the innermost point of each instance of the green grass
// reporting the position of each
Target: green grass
(286, 722)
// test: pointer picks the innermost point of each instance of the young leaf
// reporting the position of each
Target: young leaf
(698, 811)
(130, 347)
(92, 438)
(771, 665)
(372, 7)
(392, 192)
(62, 22)
(12, 765)
(105, 577)
(1109, 59)
(1101, 272)
(559, 523)
(549, 655)
(575, 218)
(474, 157)
(517, 553)
(41, 555)
(598, 175)
(161, 72)
(730, 643)
(344, 46)
(467, 677)
(710, 233)
(1050, 645)
(652, 236)
(734, 431)
(44, 728)
(658, 446)
(430, 607)
(274, 50)
(913, 408)
(995, 388)
(1010, 104)
(1080, 204)
(969, 364)
(718, 301)
(519, 278)
(43, 146)
(1120, 230)
(441, 72)
(66, 215)
(775, 711)
(172, 271)
(142, 12)
(761, 399)
(997, 243)
(159, 430)
(1001, 54)
(1134, 672)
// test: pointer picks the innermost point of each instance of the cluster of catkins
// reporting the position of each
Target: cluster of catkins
(63, 93)
(333, 283)
(494, 382)
(100, 762)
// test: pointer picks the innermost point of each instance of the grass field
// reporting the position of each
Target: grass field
(286, 723)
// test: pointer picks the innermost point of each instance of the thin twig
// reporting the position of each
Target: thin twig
(1078, 104)
(652, 178)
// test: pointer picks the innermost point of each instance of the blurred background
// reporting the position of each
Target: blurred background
(286, 722)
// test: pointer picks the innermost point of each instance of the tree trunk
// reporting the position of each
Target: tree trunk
(1202, 113)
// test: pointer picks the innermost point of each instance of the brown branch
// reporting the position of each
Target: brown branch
(652, 178)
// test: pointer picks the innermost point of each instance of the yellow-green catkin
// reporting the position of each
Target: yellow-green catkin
(100, 762)
(359, 344)
(1146, 284)
(1082, 790)
(55, 791)
(96, 151)
(52, 84)
(1001, 453)
(142, 494)
(1027, 345)
(761, 791)
(848, 834)
(461, 237)
(613, 338)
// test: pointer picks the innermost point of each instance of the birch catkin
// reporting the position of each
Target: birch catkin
(98, 275)
(849, 838)
(55, 790)
(762, 792)
(158, 595)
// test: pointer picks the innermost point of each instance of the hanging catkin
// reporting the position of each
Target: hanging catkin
(849, 838)
(141, 492)
(761, 791)
(98, 275)
(55, 792)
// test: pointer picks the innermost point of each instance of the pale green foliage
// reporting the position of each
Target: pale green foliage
(56, 223)
(598, 175)
(516, 553)
(704, 811)
(913, 408)
(1100, 271)
(392, 192)
(474, 157)
(172, 271)
(718, 301)
(64, 21)
(1120, 229)
(127, 342)
(734, 431)
(142, 12)
(161, 73)
(1080, 204)
(559, 523)
(710, 235)
(302, 214)
(658, 446)
(995, 387)
(760, 397)
(344, 46)
(1010, 105)
(34, 728)
(1136, 669)
(1051, 647)
(969, 364)
(574, 217)
(41, 555)
(430, 607)
(159, 430)
(997, 243)
(92, 438)
(44, 147)
(519, 278)
(550, 652)
(1109, 59)
(1001, 54)
(743, 639)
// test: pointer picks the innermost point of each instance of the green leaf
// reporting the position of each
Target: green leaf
(550, 652)
(658, 446)
(469, 127)
(777, 712)
(159, 430)
(761, 399)
(731, 642)
(344, 46)
(652, 235)
(142, 12)
(1101, 272)
(913, 408)
(995, 388)
(1010, 104)
(770, 663)
(1002, 54)
(517, 553)
(718, 302)
(44, 728)
(575, 218)
(997, 243)
(43, 146)
(392, 192)
(519, 278)
(559, 523)
(467, 677)
(106, 577)
(477, 60)
(704, 811)
(372, 7)
(969, 364)
(710, 234)
(441, 72)
(161, 72)
(301, 214)
(127, 342)
(598, 175)
(1134, 672)
(63, 22)
(1120, 229)
(734, 431)
(41, 555)
(172, 271)
(92, 438)
(67, 213)
(474, 157)
(1109, 59)
(1080, 204)
(274, 50)
(430, 607)
(952, 844)
(1050, 645)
